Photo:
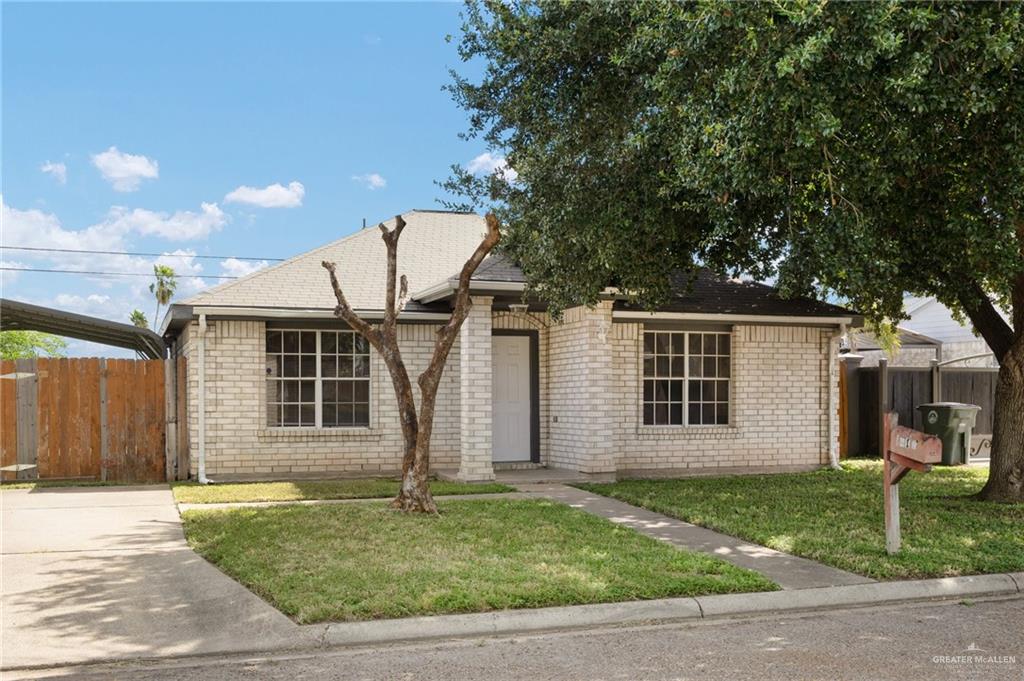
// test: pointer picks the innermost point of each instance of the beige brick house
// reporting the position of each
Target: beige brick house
(728, 377)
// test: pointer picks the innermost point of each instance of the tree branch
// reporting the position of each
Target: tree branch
(446, 334)
(989, 323)
(391, 240)
(403, 293)
(345, 311)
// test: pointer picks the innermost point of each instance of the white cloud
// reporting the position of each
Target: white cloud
(371, 181)
(90, 304)
(34, 228)
(8, 277)
(271, 196)
(57, 171)
(488, 164)
(125, 172)
(110, 297)
(182, 225)
(233, 267)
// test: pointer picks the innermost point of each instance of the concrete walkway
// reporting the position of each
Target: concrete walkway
(93, 573)
(789, 572)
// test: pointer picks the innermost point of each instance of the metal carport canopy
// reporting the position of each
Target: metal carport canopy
(18, 316)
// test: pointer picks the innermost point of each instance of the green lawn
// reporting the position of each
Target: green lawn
(836, 517)
(365, 561)
(194, 493)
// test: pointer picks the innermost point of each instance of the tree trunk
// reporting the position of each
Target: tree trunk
(414, 493)
(1006, 469)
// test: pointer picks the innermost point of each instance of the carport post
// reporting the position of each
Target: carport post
(104, 431)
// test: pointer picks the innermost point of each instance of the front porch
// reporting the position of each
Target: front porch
(536, 398)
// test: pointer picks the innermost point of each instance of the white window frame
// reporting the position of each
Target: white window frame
(686, 379)
(318, 380)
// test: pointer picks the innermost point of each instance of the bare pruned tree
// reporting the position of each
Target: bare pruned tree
(417, 428)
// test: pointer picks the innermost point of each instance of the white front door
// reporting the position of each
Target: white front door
(510, 402)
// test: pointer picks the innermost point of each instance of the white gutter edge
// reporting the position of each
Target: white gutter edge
(201, 351)
(709, 317)
(447, 287)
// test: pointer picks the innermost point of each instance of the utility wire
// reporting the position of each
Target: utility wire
(155, 255)
(111, 274)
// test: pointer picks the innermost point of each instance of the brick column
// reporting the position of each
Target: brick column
(475, 392)
(584, 397)
(599, 392)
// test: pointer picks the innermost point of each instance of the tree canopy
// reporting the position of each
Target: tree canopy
(852, 150)
(862, 150)
(28, 344)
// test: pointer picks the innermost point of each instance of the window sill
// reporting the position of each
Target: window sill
(304, 434)
(688, 432)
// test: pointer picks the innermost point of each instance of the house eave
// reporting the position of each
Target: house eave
(787, 320)
(447, 288)
(182, 314)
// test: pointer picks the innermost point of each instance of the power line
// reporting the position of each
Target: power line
(154, 255)
(111, 274)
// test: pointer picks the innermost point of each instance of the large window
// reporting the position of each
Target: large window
(686, 378)
(317, 379)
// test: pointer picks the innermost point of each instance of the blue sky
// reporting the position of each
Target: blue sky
(249, 129)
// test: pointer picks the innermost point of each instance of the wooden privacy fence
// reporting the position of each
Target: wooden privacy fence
(93, 419)
(907, 387)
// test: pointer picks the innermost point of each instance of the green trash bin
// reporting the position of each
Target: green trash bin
(953, 423)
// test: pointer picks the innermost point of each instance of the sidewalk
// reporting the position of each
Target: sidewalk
(789, 572)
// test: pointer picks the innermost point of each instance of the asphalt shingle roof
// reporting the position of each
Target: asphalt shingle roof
(720, 295)
(710, 294)
(433, 245)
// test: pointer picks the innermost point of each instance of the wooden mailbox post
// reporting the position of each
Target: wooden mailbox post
(905, 450)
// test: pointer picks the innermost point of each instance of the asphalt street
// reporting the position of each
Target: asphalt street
(932, 642)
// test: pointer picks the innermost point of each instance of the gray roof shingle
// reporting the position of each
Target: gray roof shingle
(433, 245)
(710, 294)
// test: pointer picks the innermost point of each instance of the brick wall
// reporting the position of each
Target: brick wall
(581, 381)
(590, 407)
(238, 442)
(779, 389)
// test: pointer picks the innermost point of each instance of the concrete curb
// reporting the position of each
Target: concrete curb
(313, 637)
(633, 613)
(854, 595)
(511, 621)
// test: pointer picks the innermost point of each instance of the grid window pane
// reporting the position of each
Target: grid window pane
(317, 378)
(686, 378)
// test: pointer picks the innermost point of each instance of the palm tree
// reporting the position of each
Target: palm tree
(163, 288)
(138, 319)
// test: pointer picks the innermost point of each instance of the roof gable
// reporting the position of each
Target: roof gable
(433, 245)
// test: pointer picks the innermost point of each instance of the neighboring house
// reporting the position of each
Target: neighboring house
(728, 377)
(930, 318)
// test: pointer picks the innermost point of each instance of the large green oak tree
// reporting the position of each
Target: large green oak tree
(854, 150)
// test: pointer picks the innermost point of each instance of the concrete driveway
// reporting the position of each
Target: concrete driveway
(94, 573)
